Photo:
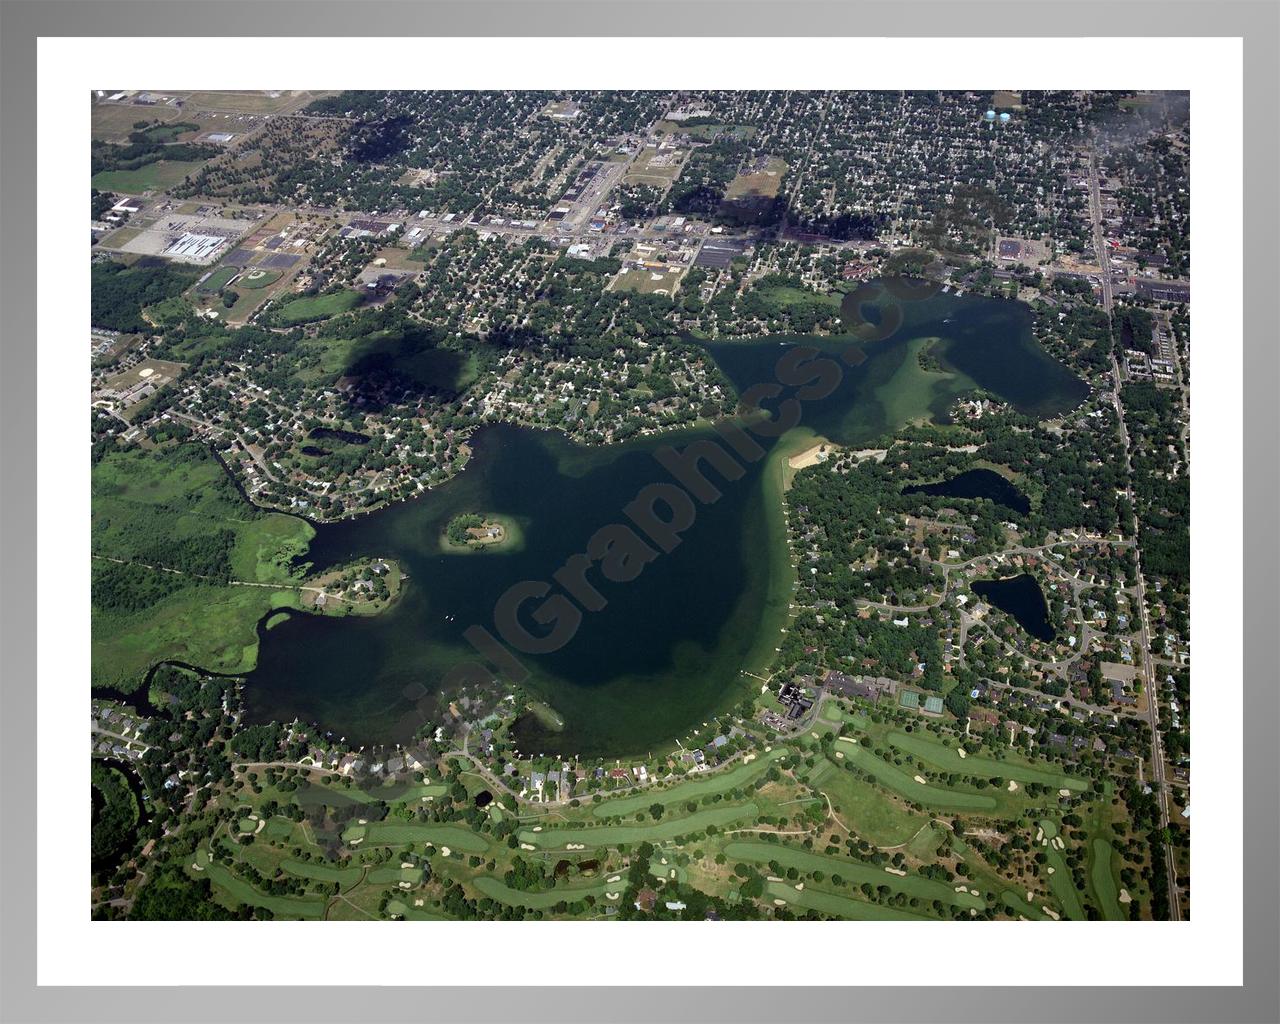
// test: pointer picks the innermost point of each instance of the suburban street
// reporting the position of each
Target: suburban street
(1148, 675)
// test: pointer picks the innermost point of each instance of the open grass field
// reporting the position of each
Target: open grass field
(150, 509)
(653, 168)
(839, 906)
(894, 778)
(763, 183)
(249, 102)
(489, 886)
(853, 871)
(209, 626)
(667, 828)
(716, 782)
(397, 833)
(648, 282)
(120, 237)
(788, 297)
(936, 753)
(150, 177)
(247, 300)
(112, 122)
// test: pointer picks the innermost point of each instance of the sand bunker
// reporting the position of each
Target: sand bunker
(1013, 786)
(921, 779)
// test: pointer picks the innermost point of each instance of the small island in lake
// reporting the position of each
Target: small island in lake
(475, 531)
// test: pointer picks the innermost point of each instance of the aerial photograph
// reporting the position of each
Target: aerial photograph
(640, 505)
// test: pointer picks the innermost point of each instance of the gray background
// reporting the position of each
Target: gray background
(1257, 22)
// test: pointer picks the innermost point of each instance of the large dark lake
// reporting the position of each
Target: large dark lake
(976, 483)
(1022, 598)
(668, 650)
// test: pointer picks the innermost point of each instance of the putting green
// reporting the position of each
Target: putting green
(948, 759)
(837, 715)
(413, 913)
(851, 871)
(1018, 905)
(393, 874)
(716, 782)
(894, 778)
(668, 828)
(278, 828)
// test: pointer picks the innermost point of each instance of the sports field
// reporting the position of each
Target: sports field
(306, 309)
(255, 278)
(218, 280)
